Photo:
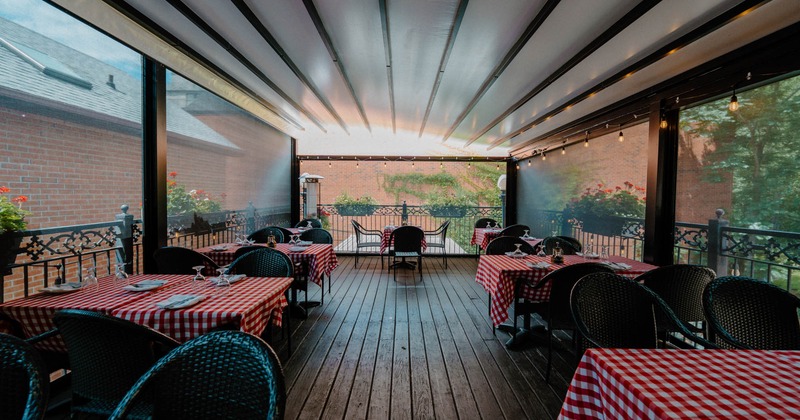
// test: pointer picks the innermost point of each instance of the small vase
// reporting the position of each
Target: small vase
(9, 248)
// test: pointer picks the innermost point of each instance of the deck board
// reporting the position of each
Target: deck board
(413, 349)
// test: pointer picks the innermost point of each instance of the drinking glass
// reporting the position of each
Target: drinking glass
(488, 225)
(90, 279)
(309, 225)
(518, 250)
(587, 251)
(526, 234)
(120, 276)
(496, 225)
(604, 253)
(223, 284)
(198, 279)
(295, 240)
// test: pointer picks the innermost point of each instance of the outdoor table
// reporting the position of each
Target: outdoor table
(387, 235)
(318, 258)
(660, 384)
(250, 305)
(482, 237)
(35, 312)
(497, 273)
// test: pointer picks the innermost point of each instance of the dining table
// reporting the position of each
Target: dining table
(482, 237)
(679, 383)
(247, 300)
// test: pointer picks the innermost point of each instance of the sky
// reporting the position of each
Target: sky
(40, 17)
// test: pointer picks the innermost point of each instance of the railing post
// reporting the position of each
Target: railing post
(125, 239)
(250, 215)
(404, 215)
(716, 243)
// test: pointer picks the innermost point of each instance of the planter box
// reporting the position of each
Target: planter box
(604, 226)
(447, 211)
(9, 248)
(355, 209)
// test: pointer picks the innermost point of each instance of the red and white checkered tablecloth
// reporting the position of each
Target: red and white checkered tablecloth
(35, 312)
(497, 273)
(482, 237)
(319, 258)
(249, 304)
(662, 384)
(387, 234)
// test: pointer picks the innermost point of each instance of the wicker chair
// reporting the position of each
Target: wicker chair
(549, 243)
(614, 311)
(107, 355)
(24, 384)
(574, 243)
(406, 242)
(177, 260)
(261, 236)
(503, 244)
(287, 234)
(315, 223)
(481, 223)
(245, 249)
(223, 374)
(514, 230)
(366, 238)
(263, 262)
(556, 311)
(438, 239)
(317, 235)
(681, 287)
(746, 313)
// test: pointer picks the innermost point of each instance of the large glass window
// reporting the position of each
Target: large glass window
(739, 170)
(228, 171)
(593, 190)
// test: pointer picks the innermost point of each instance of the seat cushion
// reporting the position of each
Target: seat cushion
(406, 254)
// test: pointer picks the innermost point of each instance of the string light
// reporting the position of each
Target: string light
(586, 140)
(356, 164)
(529, 162)
(329, 164)
(498, 166)
(563, 150)
(518, 166)
(469, 165)
(544, 156)
(441, 165)
(384, 164)
(621, 137)
(663, 123)
(733, 106)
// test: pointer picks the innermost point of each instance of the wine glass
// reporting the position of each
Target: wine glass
(496, 225)
(309, 225)
(587, 251)
(526, 234)
(604, 253)
(90, 279)
(223, 283)
(198, 279)
(518, 251)
(295, 239)
(488, 225)
(120, 276)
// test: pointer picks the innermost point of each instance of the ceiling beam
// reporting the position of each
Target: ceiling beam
(387, 48)
(451, 40)
(157, 30)
(537, 21)
(723, 19)
(326, 39)
(632, 16)
(219, 39)
(421, 159)
(256, 23)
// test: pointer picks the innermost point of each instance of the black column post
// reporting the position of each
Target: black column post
(154, 161)
(662, 169)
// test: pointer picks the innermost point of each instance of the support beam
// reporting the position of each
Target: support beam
(154, 161)
(662, 170)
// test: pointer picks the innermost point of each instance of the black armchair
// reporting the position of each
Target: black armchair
(503, 244)
(681, 287)
(515, 231)
(317, 236)
(567, 248)
(177, 260)
(223, 374)
(366, 238)
(315, 223)
(24, 384)
(437, 239)
(406, 242)
(262, 235)
(746, 313)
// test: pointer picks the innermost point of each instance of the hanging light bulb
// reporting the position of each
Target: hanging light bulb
(733, 106)
(498, 166)
(621, 137)
(384, 164)
(586, 140)
(563, 150)
(412, 164)
(469, 165)
(663, 123)
(518, 166)
(441, 165)
(329, 164)
(544, 156)
(529, 162)
(356, 164)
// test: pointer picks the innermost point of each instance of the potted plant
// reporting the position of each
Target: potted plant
(447, 205)
(348, 206)
(12, 220)
(604, 211)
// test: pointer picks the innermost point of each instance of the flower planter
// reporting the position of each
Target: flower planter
(603, 226)
(447, 211)
(355, 209)
(9, 248)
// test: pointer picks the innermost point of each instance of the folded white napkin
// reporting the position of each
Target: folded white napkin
(618, 266)
(180, 301)
(219, 248)
(540, 264)
(231, 279)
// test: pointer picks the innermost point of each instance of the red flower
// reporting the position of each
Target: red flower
(173, 174)
(19, 199)
(4, 189)
(171, 183)
(618, 188)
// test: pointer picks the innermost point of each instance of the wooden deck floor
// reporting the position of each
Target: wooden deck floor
(379, 349)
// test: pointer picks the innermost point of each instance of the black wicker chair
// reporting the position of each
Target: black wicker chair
(549, 243)
(406, 242)
(614, 311)
(746, 313)
(262, 262)
(287, 234)
(24, 383)
(223, 374)
(262, 235)
(681, 287)
(503, 244)
(245, 249)
(107, 355)
(177, 260)
(366, 238)
(317, 235)
(556, 311)
(438, 239)
(514, 230)
(574, 243)
(315, 223)
(482, 223)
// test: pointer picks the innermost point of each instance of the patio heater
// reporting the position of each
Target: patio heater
(310, 194)
(501, 184)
